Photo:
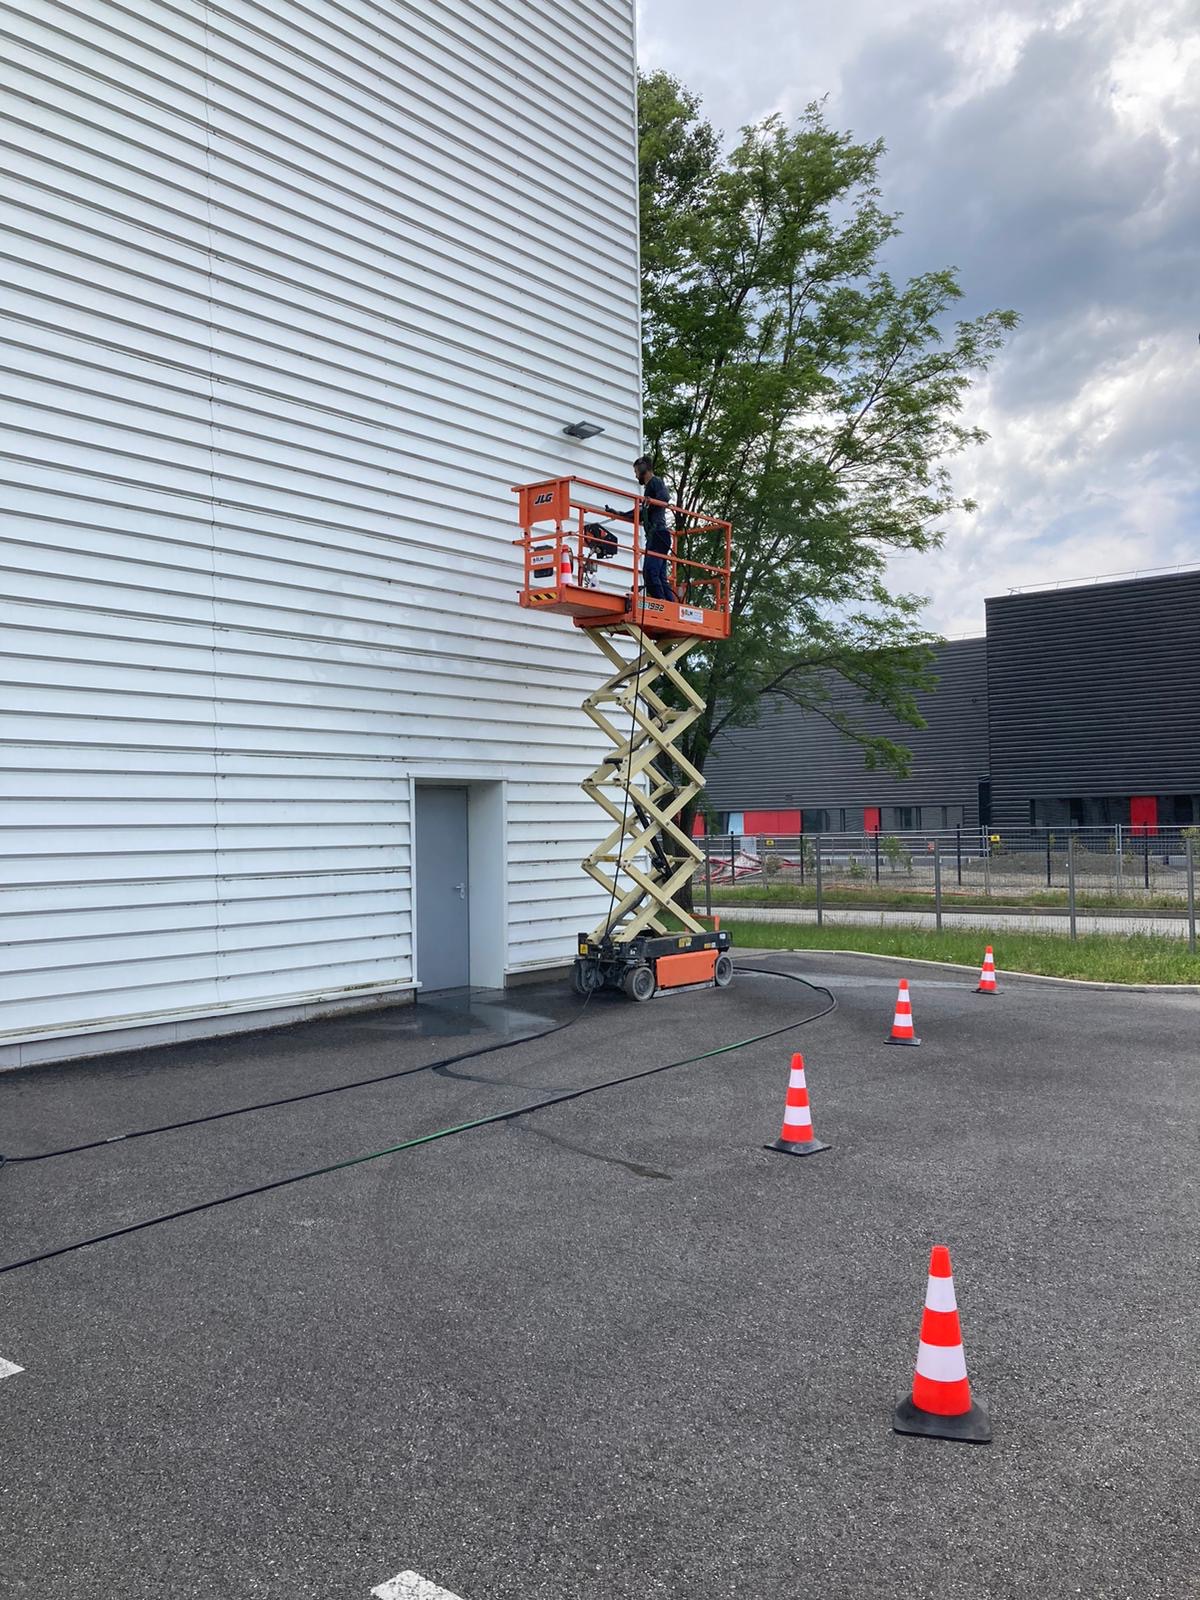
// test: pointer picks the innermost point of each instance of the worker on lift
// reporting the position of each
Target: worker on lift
(655, 528)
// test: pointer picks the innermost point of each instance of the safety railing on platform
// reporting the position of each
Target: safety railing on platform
(569, 540)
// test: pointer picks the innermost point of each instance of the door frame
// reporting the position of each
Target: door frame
(487, 874)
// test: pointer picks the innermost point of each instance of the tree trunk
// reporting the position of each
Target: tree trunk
(687, 817)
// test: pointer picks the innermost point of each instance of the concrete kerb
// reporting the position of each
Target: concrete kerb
(956, 966)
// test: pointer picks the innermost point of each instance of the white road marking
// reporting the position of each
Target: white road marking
(9, 1369)
(411, 1586)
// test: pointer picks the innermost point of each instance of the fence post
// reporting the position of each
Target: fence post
(937, 883)
(732, 863)
(1120, 863)
(986, 846)
(876, 837)
(802, 845)
(708, 878)
(1146, 859)
(1071, 879)
(1191, 891)
(1049, 868)
(958, 850)
(820, 908)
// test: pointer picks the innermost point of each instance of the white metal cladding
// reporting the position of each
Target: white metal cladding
(293, 294)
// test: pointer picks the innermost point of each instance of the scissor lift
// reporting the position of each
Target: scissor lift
(643, 709)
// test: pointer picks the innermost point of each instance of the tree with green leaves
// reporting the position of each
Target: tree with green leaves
(793, 389)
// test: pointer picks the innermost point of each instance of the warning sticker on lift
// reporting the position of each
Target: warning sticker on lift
(690, 614)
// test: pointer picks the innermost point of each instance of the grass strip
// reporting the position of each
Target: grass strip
(881, 898)
(1098, 957)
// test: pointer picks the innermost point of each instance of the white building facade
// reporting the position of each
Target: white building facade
(294, 293)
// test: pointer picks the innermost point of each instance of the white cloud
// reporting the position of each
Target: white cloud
(1156, 72)
(1103, 485)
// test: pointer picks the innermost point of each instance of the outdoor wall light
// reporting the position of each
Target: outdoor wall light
(582, 430)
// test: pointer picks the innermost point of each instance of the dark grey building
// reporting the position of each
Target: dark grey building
(1082, 705)
(1094, 704)
(793, 771)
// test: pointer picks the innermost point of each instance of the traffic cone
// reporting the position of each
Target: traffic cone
(902, 1023)
(796, 1138)
(564, 565)
(940, 1406)
(987, 975)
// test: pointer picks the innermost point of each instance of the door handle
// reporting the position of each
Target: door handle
(462, 890)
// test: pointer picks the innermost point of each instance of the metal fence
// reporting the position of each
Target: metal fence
(1060, 874)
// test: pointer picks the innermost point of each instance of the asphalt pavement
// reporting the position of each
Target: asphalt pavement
(612, 1348)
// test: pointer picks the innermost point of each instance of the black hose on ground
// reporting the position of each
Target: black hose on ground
(428, 1138)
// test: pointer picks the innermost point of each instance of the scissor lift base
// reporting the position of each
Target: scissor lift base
(646, 966)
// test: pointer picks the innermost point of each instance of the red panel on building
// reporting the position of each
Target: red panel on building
(872, 819)
(1143, 815)
(771, 822)
(697, 826)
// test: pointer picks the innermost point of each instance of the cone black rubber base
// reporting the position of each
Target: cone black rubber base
(972, 1427)
(910, 1042)
(996, 990)
(790, 1147)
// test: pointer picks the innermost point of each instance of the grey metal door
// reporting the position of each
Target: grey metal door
(443, 950)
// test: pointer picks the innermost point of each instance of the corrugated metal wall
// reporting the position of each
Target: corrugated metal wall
(294, 293)
(1094, 691)
(797, 758)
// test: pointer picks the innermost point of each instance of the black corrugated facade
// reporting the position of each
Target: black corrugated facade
(1082, 705)
(1094, 697)
(796, 759)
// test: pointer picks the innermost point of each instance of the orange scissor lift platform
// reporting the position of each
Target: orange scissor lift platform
(564, 574)
(575, 567)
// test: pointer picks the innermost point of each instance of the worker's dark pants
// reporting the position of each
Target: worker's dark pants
(654, 573)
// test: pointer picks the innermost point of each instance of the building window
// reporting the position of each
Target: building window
(815, 821)
(1050, 813)
(906, 818)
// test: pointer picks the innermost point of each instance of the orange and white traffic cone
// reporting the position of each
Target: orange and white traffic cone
(797, 1138)
(564, 565)
(987, 974)
(941, 1405)
(902, 1023)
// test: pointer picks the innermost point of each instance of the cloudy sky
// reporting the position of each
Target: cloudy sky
(1051, 152)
